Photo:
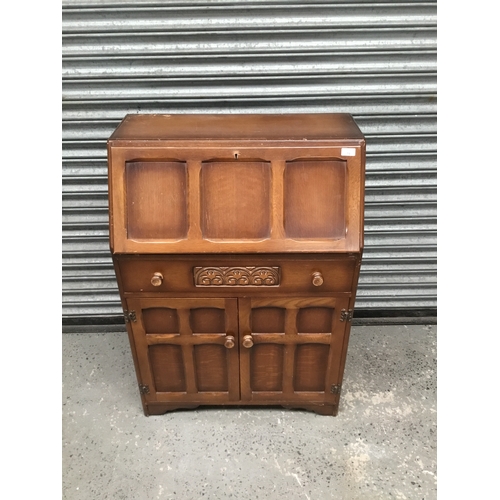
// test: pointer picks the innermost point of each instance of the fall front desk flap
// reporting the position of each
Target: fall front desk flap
(236, 184)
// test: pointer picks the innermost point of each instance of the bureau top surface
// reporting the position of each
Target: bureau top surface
(278, 127)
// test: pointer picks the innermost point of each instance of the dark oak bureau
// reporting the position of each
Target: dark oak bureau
(237, 243)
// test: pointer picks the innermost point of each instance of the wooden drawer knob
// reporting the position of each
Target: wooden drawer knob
(157, 279)
(247, 341)
(317, 279)
(229, 342)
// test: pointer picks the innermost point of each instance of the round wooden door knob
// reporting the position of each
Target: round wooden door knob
(317, 279)
(229, 342)
(157, 279)
(247, 341)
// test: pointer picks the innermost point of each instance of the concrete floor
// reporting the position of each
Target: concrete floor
(382, 444)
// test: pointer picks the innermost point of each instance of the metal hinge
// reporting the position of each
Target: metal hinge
(143, 389)
(346, 315)
(335, 389)
(130, 316)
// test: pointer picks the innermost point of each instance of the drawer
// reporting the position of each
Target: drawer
(234, 274)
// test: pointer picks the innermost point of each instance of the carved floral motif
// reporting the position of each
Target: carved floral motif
(236, 276)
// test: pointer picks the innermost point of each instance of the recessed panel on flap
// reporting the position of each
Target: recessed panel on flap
(235, 199)
(315, 198)
(156, 194)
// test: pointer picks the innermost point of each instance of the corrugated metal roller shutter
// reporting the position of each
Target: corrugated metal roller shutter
(376, 60)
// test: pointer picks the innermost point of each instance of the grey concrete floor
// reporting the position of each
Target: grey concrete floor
(382, 444)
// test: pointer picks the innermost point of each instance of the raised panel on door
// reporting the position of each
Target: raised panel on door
(291, 349)
(185, 349)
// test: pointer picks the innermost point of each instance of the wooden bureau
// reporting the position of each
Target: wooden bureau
(237, 244)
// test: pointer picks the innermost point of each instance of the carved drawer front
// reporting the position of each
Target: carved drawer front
(235, 275)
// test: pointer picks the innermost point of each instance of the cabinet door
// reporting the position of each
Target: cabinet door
(185, 350)
(291, 349)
